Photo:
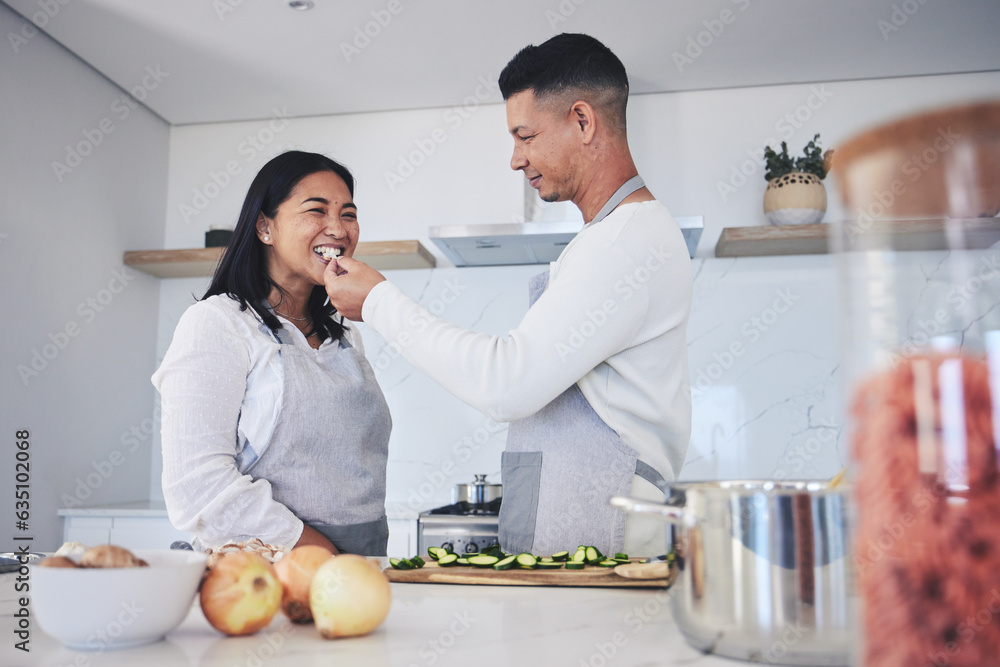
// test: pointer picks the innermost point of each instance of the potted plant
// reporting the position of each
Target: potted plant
(795, 194)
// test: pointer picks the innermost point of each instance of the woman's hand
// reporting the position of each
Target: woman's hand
(313, 536)
(348, 283)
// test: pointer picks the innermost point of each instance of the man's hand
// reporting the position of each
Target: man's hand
(348, 283)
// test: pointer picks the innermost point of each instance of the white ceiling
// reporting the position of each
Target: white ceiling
(229, 60)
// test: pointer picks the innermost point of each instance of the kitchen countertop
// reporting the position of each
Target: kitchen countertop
(429, 624)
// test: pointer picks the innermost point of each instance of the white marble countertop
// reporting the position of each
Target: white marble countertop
(428, 624)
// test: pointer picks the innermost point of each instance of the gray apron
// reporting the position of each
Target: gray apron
(326, 459)
(563, 463)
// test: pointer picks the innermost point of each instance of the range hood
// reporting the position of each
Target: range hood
(525, 242)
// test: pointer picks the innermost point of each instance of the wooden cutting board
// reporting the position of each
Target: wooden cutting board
(431, 573)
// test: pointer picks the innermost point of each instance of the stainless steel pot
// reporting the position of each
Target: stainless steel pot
(477, 493)
(763, 569)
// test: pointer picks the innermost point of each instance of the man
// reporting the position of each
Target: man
(594, 380)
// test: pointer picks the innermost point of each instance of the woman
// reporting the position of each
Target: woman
(272, 423)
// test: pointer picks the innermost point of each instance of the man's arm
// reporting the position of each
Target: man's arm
(587, 315)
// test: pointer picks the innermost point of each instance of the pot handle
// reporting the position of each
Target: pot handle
(675, 515)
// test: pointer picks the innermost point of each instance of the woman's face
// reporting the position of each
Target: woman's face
(319, 213)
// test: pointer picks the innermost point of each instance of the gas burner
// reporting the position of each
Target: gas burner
(465, 508)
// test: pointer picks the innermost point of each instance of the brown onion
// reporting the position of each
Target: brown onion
(295, 572)
(349, 596)
(241, 594)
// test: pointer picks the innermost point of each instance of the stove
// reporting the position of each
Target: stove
(461, 527)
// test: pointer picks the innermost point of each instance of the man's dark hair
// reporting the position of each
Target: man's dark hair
(570, 63)
(242, 273)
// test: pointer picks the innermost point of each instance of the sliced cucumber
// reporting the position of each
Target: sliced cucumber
(621, 556)
(506, 563)
(550, 565)
(400, 564)
(417, 562)
(575, 565)
(609, 562)
(483, 561)
(594, 555)
(493, 550)
(526, 560)
(436, 552)
(448, 559)
(462, 560)
(580, 555)
(560, 556)
(546, 559)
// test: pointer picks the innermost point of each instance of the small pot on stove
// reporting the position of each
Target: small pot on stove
(477, 493)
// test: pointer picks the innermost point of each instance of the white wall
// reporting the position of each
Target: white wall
(754, 414)
(61, 245)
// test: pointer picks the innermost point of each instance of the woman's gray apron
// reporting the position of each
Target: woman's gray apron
(327, 456)
(563, 463)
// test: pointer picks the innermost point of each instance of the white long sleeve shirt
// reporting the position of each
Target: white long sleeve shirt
(220, 385)
(613, 320)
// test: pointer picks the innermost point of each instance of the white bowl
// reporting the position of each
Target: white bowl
(107, 608)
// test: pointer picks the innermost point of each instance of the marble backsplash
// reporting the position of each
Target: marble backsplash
(763, 349)
(762, 346)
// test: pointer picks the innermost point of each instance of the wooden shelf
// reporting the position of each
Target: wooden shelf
(201, 262)
(770, 240)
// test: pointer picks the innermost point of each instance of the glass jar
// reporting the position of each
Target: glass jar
(919, 276)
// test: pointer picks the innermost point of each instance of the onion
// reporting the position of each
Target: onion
(295, 572)
(241, 594)
(349, 596)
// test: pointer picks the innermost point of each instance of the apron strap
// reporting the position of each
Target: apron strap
(627, 188)
(651, 475)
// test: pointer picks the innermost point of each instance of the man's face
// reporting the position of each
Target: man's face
(544, 141)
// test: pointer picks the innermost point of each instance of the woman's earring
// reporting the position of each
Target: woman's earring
(267, 238)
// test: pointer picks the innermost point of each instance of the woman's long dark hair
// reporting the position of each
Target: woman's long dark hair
(242, 274)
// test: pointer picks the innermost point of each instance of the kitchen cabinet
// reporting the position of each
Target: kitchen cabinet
(144, 525)
(814, 239)
(402, 537)
(136, 525)
(201, 262)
